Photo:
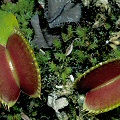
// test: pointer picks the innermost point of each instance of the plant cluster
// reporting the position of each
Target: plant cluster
(23, 10)
(86, 44)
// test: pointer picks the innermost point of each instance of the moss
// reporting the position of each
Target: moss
(23, 10)
(89, 48)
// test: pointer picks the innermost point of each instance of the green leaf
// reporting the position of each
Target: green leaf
(80, 55)
(64, 37)
(80, 42)
(8, 23)
(81, 32)
(94, 61)
(68, 70)
(92, 46)
(60, 56)
(64, 76)
(52, 66)
(107, 26)
(117, 53)
(70, 32)
(57, 43)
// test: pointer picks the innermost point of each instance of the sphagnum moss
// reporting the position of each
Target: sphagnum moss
(89, 48)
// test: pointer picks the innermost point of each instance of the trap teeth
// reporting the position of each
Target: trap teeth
(19, 70)
(101, 84)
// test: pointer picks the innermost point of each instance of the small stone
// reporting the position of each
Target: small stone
(61, 103)
(55, 103)
(72, 78)
(59, 86)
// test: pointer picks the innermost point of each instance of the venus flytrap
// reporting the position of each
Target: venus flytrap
(19, 69)
(101, 86)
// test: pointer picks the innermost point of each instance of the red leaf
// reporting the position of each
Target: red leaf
(104, 98)
(18, 70)
(9, 89)
(98, 75)
(25, 64)
(101, 85)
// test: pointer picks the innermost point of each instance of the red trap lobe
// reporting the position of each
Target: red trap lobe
(25, 64)
(101, 84)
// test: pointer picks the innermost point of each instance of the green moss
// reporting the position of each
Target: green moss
(23, 10)
(89, 48)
